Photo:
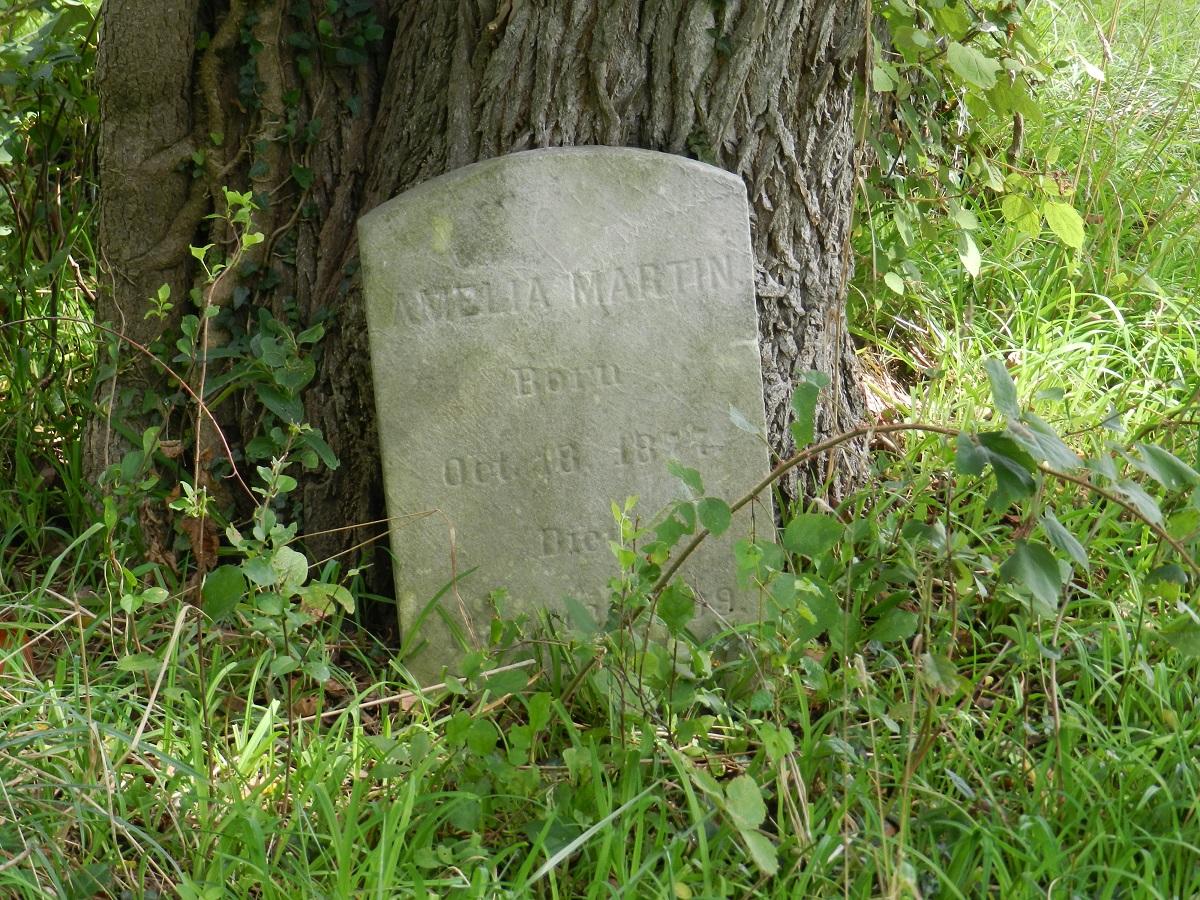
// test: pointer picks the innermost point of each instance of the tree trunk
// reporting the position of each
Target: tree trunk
(337, 114)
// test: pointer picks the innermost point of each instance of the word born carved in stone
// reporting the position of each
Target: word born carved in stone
(540, 381)
(641, 283)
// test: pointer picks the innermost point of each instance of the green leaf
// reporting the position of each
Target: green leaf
(1012, 466)
(290, 409)
(968, 254)
(970, 457)
(1061, 538)
(223, 589)
(1036, 436)
(941, 675)
(580, 618)
(1004, 390)
(776, 740)
(972, 66)
(671, 529)
(895, 282)
(269, 603)
(282, 665)
(762, 851)
(714, 514)
(690, 477)
(258, 569)
(1184, 635)
(315, 441)
(676, 607)
(285, 484)
(1140, 500)
(804, 405)
(343, 598)
(303, 176)
(291, 567)
(744, 802)
(1022, 212)
(1065, 222)
(155, 595)
(1184, 525)
(812, 534)
(137, 662)
(1165, 468)
(320, 596)
(1036, 569)
(894, 625)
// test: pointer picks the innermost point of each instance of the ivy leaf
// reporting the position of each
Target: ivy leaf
(972, 66)
(1035, 568)
(1065, 222)
(714, 514)
(303, 176)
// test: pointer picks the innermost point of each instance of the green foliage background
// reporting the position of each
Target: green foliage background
(977, 678)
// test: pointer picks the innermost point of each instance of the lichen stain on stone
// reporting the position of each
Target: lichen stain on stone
(440, 233)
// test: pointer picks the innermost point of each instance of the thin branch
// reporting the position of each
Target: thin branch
(786, 466)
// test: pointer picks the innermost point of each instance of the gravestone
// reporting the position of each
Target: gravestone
(548, 329)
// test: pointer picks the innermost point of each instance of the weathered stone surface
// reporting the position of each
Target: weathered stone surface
(547, 330)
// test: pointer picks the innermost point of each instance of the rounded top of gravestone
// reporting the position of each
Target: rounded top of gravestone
(580, 162)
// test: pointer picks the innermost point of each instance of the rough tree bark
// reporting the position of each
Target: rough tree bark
(379, 97)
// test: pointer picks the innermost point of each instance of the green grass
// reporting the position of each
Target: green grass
(1116, 323)
(935, 733)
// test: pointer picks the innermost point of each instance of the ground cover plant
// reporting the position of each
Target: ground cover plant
(976, 678)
